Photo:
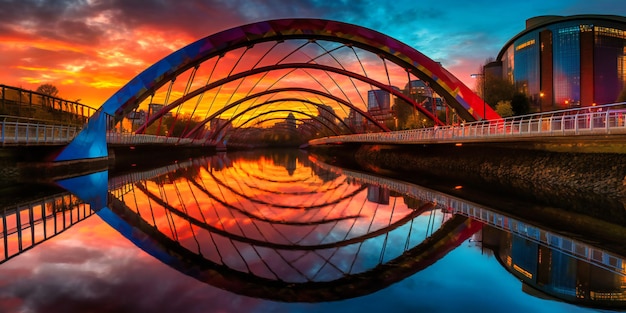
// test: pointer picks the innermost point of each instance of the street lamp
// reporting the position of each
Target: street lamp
(484, 101)
(541, 94)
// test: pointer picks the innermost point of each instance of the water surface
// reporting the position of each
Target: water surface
(280, 231)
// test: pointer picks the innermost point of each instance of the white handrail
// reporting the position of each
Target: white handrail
(138, 139)
(609, 119)
(15, 131)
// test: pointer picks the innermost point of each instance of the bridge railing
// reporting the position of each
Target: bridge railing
(26, 225)
(127, 138)
(26, 103)
(27, 131)
(569, 246)
(607, 119)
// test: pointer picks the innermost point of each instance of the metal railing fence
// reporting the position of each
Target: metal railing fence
(26, 131)
(604, 120)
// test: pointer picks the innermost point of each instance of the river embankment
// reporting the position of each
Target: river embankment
(588, 183)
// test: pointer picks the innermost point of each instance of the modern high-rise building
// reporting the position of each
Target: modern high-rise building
(379, 106)
(378, 100)
(566, 61)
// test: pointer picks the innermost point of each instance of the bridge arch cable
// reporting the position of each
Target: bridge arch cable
(311, 59)
(321, 119)
(277, 80)
(261, 119)
(278, 31)
(185, 92)
(316, 67)
(297, 50)
(218, 92)
(280, 90)
(329, 52)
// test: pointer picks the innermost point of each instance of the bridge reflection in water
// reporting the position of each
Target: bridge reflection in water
(286, 227)
(300, 233)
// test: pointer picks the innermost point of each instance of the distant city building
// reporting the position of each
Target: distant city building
(137, 118)
(420, 92)
(355, 121)
(566, 61)
(218, 125)
(154, 108)
(291, 121)
(379, 106)
(327, 113)
(378, 100)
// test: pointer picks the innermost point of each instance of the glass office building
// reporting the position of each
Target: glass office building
(566, 61)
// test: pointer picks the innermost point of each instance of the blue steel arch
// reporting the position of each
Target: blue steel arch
(91, 142)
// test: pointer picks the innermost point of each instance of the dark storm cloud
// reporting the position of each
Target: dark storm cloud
(59, 20)
(101, 44)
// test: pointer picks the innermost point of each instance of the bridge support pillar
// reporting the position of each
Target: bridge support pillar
(90, 143)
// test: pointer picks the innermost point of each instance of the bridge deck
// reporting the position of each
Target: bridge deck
(580, 124)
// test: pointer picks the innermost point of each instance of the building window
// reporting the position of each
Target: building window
(567, 66)
(609, 63)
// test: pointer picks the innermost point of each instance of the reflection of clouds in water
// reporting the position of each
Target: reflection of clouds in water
(93, 268)
(72, 273)
(230, 196)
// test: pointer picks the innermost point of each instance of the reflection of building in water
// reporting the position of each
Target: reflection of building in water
(220, 162)
(549, 264)
(555, 273)
(378, 194)
(288, 160)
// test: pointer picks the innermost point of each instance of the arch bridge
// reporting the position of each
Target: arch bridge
(303, 78)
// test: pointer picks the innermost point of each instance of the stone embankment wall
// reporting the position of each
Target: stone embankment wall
(534, 171)
(591, 183)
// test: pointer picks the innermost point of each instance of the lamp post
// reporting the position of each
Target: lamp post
(484, 101)
(541, 94)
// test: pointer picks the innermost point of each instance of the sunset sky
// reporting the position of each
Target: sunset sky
(91, 48)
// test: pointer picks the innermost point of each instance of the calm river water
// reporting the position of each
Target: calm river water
(281, 231)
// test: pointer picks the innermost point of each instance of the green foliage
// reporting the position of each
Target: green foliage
(409, 117)
(404, 113)
(520, 104)
(172, 126)
(498, 89)
(504, 108)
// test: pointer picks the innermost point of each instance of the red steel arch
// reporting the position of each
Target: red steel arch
(91, 142)
(468, 105)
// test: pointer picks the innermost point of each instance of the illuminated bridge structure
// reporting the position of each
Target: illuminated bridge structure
(606, 122)
(306, 74)
(329, 242)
